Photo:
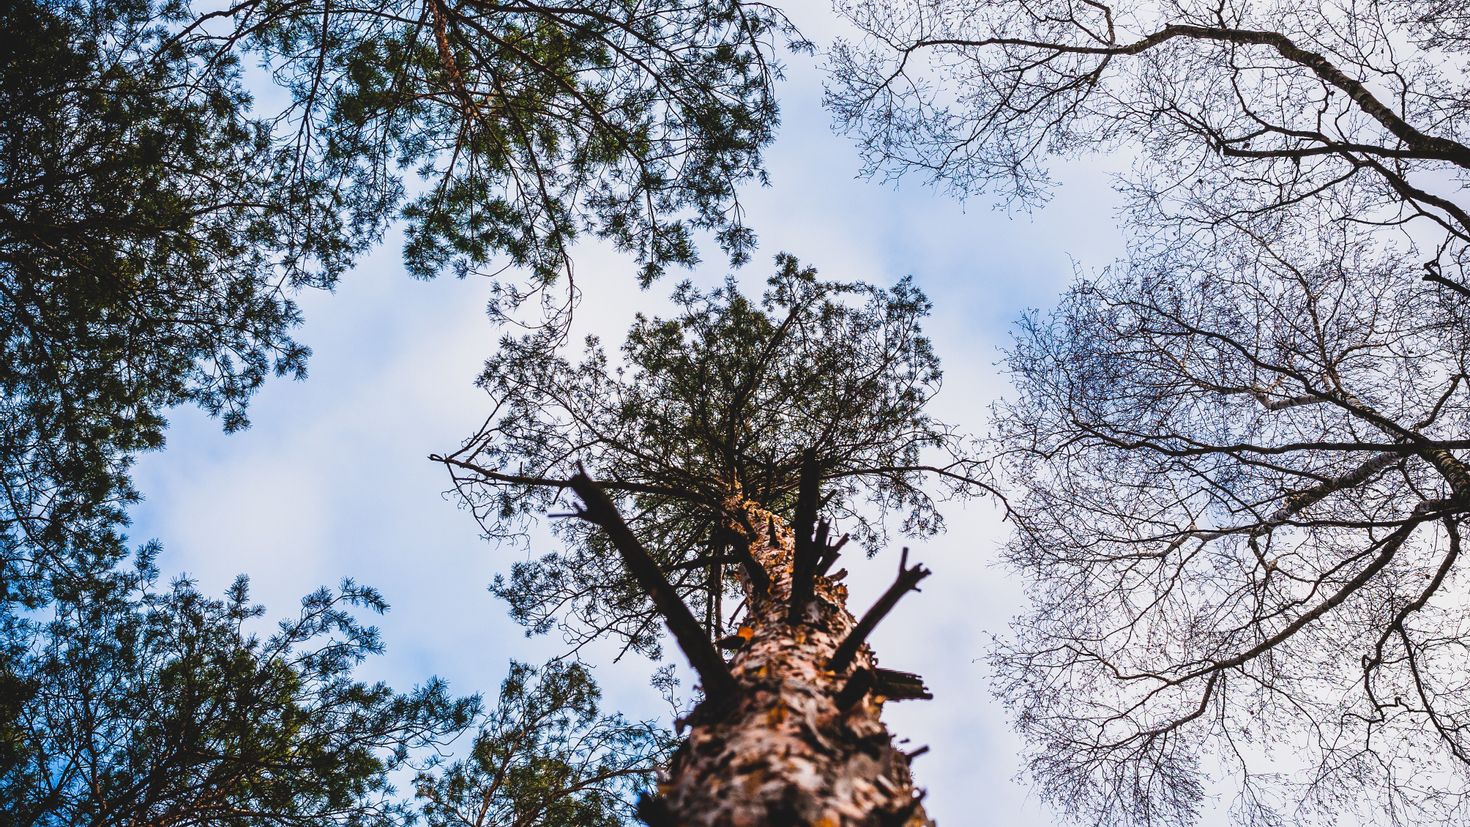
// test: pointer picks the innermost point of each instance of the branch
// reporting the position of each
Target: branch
(830, 554)
(1427, 146)
(805, 553)
(1301, 500)
(855, 689)
(760, 580)
(701, 562)
(892, 685)
(553, 482)
(1435, 277)
(714, 673)
(908, 579)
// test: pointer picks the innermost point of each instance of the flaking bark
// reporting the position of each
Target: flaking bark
(786, 751)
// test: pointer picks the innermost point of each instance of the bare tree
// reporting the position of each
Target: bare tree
(1240, 508)
(1351, 109)
(1239, 496)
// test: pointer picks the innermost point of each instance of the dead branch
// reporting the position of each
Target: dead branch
(805, 552)
(900, 686)
(907, 580)
(855, 689)
(598, 508)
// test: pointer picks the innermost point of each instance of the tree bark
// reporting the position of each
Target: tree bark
(784, 750)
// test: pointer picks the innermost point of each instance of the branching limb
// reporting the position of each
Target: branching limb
(907, 580)
(598, 509)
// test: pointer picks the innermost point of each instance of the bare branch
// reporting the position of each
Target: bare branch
(908, 580)
(714, 674)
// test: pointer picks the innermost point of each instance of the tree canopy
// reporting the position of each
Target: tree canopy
(1239, 503)
(1239, 112)
(547, 757)
(161, 706)
(718, 401)
(147, 235)
(527, 123)
(157, 218)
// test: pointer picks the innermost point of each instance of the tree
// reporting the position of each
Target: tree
(1242, 111)
(527, 124)
(547, 756)
(157, 221)
(1236, 456)
(144, 706)
(715, 436)
(1240, 503)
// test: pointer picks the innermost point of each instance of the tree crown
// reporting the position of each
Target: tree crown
(718, 402)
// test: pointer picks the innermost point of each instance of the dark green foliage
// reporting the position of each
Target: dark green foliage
(528, 123)
(546, 757)
(717, 402)
(148, 233)
(140, 706)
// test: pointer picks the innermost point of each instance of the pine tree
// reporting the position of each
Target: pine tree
(546, 756)
(157, 219)
(134, 704)
(730, 428)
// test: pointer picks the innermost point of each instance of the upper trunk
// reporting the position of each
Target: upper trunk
(789, 746)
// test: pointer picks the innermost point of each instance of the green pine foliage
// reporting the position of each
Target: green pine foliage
(147, 235)
(140, 705)
(156, 223)
(523, 125)
(718, 401)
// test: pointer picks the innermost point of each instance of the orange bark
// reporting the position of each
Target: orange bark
(782, 751)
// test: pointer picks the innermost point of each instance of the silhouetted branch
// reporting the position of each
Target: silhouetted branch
(551, 482)
(804, 558)
(830, 555)
(714, 674)
(701, 562)
(760, 581)
(1450, 283)
(908, 579)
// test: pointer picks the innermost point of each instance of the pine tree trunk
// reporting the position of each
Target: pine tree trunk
(784, 750)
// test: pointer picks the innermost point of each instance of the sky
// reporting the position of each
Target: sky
(332, 479)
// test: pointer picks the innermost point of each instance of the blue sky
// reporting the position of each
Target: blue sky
(332, 479)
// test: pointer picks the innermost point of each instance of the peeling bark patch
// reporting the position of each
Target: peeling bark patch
(785, 752)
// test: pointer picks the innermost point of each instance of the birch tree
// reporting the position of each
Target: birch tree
(1239, 111)
(700, 467)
